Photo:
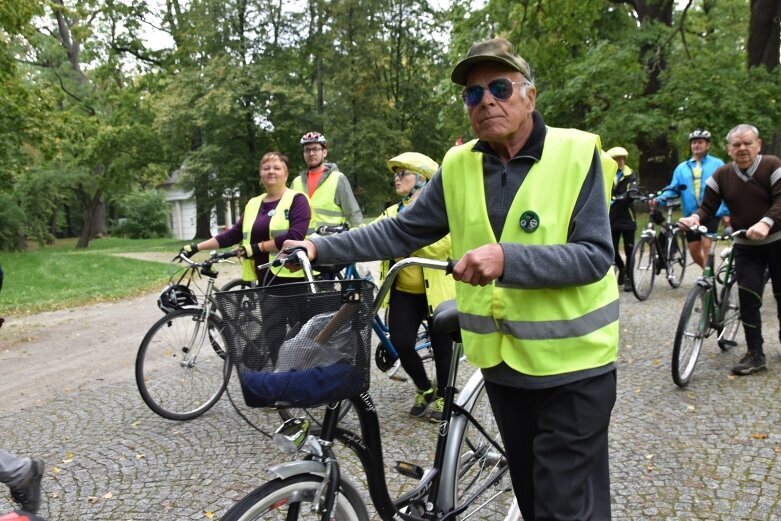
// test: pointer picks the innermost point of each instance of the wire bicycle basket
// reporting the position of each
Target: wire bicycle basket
(302, 344)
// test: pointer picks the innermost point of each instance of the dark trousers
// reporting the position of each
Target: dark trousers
(629, 244)
(750, 265)
(405, 314)
(557, 445)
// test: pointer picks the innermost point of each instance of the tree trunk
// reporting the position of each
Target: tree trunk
(657, 157)
(203, 211)
(764, 40)
(764, 34)
(90, 207)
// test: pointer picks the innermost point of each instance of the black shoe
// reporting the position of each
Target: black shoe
(751, 362)
(628, 286)
(621, 277)
(435, 414)
(28, 492)
(422, 399)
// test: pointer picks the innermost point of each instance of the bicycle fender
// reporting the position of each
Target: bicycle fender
(295, 468)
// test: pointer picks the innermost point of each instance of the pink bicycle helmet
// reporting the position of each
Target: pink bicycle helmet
(313, 137)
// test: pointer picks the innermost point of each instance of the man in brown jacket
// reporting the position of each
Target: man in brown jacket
(750, 185)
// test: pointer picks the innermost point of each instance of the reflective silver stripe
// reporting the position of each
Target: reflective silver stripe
(712, 184)
(477, 323)
(332, 213)
(543, 330)
(775, 176)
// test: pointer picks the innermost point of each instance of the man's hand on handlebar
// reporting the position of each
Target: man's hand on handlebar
(687, 223)
(311, 250)
(480, 266)
(758, 231)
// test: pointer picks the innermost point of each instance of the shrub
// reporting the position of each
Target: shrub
(144, 215)
(12, 229)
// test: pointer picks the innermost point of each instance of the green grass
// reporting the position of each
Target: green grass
(60, 276)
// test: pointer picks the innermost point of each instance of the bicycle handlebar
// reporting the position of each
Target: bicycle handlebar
(446, 266)
(715, 236)
(637, 195)
(214, 256)
(332, 229)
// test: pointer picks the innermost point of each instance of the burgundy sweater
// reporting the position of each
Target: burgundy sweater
(750, 196)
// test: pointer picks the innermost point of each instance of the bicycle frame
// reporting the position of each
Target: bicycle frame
(382, 330)
(715, 301)
(437, 484)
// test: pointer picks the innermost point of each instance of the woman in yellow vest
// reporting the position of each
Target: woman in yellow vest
(417, 291)
(268, 220)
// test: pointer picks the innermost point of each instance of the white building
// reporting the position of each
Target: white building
(181, 219)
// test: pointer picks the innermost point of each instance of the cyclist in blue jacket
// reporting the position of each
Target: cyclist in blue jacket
(694, 173)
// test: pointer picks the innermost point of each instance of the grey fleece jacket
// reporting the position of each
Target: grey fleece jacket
(585, 258)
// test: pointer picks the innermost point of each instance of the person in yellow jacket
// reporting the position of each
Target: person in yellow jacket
(328, 188)
(526, 206)
(268, 220)
(417, 291)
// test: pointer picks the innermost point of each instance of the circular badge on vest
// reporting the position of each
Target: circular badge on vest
(530, 221)
(271, 212)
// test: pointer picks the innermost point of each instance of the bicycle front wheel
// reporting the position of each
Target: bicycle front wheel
(482, 482)
(676, 259)
(730, 322)
(182, 366)
(692, 330)
(237, 284)
(292, 498)
(643, 268)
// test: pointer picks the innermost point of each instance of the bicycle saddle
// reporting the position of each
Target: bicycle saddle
(445, 320)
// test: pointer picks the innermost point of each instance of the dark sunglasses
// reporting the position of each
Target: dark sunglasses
(500, 89)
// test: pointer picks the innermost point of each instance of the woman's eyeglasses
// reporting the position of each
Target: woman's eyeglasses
(401, 173)
(500, 89)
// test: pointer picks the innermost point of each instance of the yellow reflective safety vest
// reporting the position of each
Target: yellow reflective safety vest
(278, 224)
(537, 332)
(325, 212)
(438, 285)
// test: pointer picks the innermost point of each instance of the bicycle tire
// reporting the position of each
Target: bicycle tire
(171, 383)
(676, 259)
(643, 268)
(730, 322)
(237, 284)
(291, 498)
(480, 465)
(692, 330)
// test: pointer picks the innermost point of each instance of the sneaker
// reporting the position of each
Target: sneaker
(750, 363)
(422, 399)
(435, 414)
(28, 492)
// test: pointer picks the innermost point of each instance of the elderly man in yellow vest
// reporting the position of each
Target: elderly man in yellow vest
(527, 209)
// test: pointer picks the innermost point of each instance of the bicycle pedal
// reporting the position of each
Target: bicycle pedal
(409, 470)
(729, 343)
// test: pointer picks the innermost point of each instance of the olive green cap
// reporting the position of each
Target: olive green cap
(496, 50)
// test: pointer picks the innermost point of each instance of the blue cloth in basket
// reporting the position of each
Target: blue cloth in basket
(304, 386)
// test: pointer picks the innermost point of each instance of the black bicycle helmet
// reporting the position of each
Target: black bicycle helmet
(313, 138)
(176, 296)
(699, 133)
